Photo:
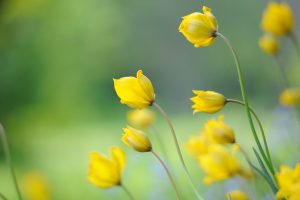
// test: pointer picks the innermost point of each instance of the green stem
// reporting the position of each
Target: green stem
(3, 197)
(8, 159)
(283, 72)
(178, 149)
(168, 172)
(295, 42)
(127, 192)
(245, 99)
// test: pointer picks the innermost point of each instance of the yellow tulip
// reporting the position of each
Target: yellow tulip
(141, 118)
(36, 187)
(288, 180)
(269, 44)
(207, 101)
(198, 145)
(277, 19)
(106, 172)
(237, 195)
(290, 97)
(136, 139)
(199, 28)
(136, 92)
(219, 164)
(219, 131)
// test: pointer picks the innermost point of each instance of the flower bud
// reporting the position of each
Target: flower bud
(136, 139)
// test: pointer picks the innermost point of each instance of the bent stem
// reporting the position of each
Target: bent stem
(168, 172)
(259, 124)
(127, 191)
(8, 160)
(245, 100)
(295, 42)
(178, 149)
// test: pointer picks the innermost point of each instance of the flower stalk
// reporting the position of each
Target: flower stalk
(127, 191)
(245, 101)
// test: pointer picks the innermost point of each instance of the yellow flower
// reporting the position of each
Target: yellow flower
(269, 44)
(277, 18)
(237, 195)
(219, 164)
(288, 180)
(36, 187)
(136, 139)
(141, 118)
(219, 131)
(198, 145)
(135, 92)
(106, 172)
(290, 97)
(199, 28)
(207, 101)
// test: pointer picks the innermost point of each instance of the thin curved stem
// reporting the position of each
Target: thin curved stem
(245, 99)
(283, 72)
(3, 197)
(178, 149)
(127, 192)
(168, 172)
(8, 160)
(295, 42)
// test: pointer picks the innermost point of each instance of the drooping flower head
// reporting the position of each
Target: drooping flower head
(141, 118)
(136, 139)
(136, 92)
(269, 44)
(207, 101)
(277, 19)
(219, 131)
(199, 28)
(220, 164)
(237, 195)
(288, 180)
(290, 97)
(36, 186)
(106, 172)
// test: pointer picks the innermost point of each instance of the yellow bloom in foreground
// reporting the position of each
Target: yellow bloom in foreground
(288, 180)
(141, 118)
(136, 139)
(290, 97)
(219, 131)
(219, 164)
(207, 101)
(106, 172)
(136, 92)
(237, 195)
(199, 28)
(36, 187)
(277, 19)
(269, 44)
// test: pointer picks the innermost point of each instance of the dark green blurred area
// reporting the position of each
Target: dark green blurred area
(58, 58)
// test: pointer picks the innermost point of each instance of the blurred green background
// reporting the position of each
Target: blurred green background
(57, 103)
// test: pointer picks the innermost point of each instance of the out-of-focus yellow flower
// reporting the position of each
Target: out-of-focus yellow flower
(219, 131)
(141, 118)
(237, 195)
(106, 172)
(277, 18)
(136, 92)
(220, 164)
(136, 139)
(198, 145)
(288, 180)
(36, 187)
(290, 97)
(269, 44)
(199, 28)
(207, 101)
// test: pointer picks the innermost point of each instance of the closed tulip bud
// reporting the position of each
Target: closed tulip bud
(269, 44)
(219, 131)
(136, 92)
(141, 118)
(106, 172)
(199, 28)
(237, 195)
(136, 139)
(207, 101)
(290, 97)
(277, 19)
